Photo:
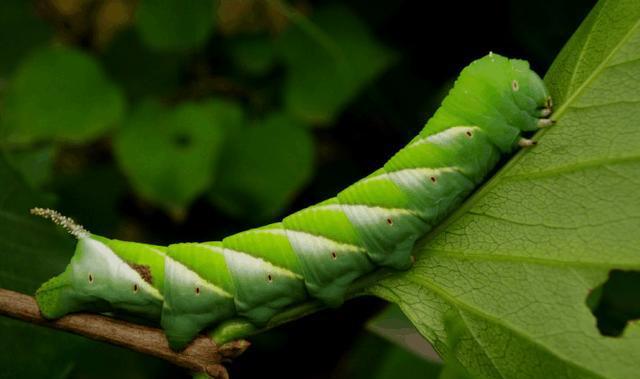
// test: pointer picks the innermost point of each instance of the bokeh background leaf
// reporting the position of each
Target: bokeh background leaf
(174, 24)
(61, 93)
(16, 15)
(266, 164)
(170, 154)
(330, 58)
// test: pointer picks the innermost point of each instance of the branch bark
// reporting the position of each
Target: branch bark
(202, 355)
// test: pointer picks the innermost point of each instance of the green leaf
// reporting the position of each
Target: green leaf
(330, 59)
(174, 24)
(17, 228)
(253, 54)
(456, 333)
(392, 325)
(514, 265)
(61, 93)
(265, 165)
(34, 163)
(170, 154)
(390, 362)
(20, 31)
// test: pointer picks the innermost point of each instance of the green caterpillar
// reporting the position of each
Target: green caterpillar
(319, 251)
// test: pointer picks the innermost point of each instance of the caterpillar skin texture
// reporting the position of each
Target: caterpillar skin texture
(318, 251)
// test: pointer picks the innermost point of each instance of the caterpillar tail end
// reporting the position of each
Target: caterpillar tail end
(52, 297)
(95, 280)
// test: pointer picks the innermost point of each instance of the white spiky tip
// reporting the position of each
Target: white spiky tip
(58, 218)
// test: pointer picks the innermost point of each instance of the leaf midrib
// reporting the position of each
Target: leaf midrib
(558, 263)
(551, 226)
(567, 169)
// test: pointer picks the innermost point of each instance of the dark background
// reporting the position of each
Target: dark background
(430, 42)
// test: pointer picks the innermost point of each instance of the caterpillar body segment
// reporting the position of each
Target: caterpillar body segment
(318, 251)
(197, 282)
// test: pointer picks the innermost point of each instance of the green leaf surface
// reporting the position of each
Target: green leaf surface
(174, 25)
(330, 58)
(170, 154)
(515, 264)
(34, 163)
(373, 357)
(265, 165)
(61, 93)
(253, 54)
(394, 326)
(20, 31)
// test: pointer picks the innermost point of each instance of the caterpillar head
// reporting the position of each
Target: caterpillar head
(96, 279)
(528, 89)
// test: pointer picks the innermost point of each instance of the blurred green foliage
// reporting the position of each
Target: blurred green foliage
(169, 154)
(179, 120)
(348, 55)
(275, 156)
(374, 358)
(174, 24)
(111, 109)
(60, 94)
(254, 54)
(16, 16)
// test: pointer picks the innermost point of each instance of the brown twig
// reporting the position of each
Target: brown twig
(202, 355)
